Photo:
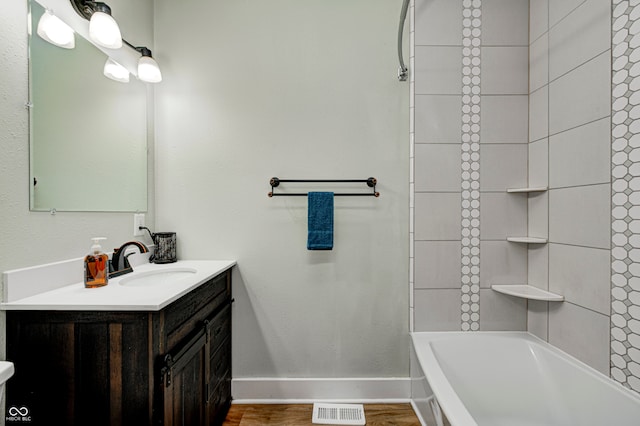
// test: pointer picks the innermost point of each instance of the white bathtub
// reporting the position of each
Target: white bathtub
(511, 379)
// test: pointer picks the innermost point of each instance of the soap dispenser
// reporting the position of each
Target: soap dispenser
(96, 266)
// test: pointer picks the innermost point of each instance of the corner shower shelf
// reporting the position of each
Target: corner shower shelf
(527, 190)
(527, 240)
(528, 292)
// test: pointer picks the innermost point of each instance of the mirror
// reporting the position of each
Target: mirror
(88, 134)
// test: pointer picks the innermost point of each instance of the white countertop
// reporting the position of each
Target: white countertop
(118, 297)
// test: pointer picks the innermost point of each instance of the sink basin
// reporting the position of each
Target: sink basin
(160, 277)
(6, 371)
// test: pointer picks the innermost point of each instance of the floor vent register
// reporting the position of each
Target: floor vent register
(338, 414)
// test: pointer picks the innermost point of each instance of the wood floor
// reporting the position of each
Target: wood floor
(300, 415)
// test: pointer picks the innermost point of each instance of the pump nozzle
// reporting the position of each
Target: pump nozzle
(96, 248)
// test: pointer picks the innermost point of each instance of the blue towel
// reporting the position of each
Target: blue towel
(320, 221)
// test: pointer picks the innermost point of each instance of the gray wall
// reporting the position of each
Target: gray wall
(291, 89)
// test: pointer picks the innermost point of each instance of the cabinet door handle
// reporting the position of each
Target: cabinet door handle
(218, 331)
(165, 372)
(166, 376)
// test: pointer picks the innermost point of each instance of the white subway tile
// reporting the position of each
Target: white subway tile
(538, 18)
(438, 119)
(412, 93)
(539, 163)
(539, 63)
(502, 262)
(412, 138)
(437, 264)
(582, 275)
(581, 96)
(411, 320)
(581, 156)
(539, 114)
(412, 195)
(505, 22)
(538, 209)
(438, 70)
(411, 235)
(502, 215)
(437, 310)
(438, 22)
(411, 170)
(504, 119)
(412, 120)
(437, 167)
(437, 216)
(558, 9)
(591, 344)
(505, 70)
(411, 283)
(581, 36)
(538, 266)
(538, 318)
(499, 312)
(581, 216)
(503, 166)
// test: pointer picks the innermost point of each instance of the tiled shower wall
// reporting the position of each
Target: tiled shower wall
(469, 144)
(569, 150)
(577, 147)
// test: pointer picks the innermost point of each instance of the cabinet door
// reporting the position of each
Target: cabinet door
(219, 366)
(79, 368)
(184, 383)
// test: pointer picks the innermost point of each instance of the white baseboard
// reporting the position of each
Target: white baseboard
(265, 390)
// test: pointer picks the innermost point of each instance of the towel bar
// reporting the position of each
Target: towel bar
(371, 183)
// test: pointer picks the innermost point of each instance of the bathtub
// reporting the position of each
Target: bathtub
(511, 379)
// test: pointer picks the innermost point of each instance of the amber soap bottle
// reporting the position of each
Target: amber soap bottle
(96, 266)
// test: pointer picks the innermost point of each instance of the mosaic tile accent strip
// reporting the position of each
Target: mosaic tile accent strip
(471, 32)
(625, 192)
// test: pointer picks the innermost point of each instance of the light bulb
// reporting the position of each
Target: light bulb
(115, 71)
(104, 30)
(52, 29)
(148, 70)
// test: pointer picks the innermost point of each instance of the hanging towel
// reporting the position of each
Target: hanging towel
(320, 221)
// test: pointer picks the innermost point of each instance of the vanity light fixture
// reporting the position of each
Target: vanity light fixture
(103, 29)
(55, 31)
(105, 32)
(148, 69)
(115, 71)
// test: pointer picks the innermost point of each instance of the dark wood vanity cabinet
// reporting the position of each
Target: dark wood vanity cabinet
(171, 367)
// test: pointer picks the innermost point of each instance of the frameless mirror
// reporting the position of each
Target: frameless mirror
(88, 134)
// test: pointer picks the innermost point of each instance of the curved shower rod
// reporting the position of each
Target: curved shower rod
(403, 71)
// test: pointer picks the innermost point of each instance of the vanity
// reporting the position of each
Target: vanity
(152, 347)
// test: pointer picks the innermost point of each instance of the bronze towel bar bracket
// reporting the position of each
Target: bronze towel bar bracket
(371, 183)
